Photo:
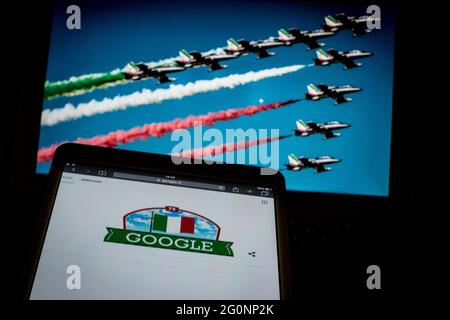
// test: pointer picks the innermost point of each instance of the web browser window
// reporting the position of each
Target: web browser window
(130, 235)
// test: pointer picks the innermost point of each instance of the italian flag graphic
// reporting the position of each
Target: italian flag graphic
(169, 224)
(170, 228)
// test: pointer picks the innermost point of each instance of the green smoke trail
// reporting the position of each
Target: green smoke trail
(79, 85)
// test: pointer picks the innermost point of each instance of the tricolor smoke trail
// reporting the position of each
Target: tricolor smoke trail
(146, 96)
(159, 129)
(82, 84)
(89, 82)
(228, 147)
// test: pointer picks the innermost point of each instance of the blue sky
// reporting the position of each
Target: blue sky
(112, 35)
(139, 221)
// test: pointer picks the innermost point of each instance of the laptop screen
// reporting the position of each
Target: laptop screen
(117, 234)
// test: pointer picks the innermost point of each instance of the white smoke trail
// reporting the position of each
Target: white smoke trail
(162, 62)
(146, 96)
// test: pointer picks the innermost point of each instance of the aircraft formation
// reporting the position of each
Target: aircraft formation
(237, 48)
(315, 92)
(261, 49)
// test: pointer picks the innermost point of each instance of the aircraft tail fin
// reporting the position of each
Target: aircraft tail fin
(313, 89)
(283, 34)
(184, 55)
(293, 160)
(322, 55)
(131, 67)
(301, 125)
(330, 21)
(233, 44)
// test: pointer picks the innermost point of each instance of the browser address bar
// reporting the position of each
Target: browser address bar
(175, 182)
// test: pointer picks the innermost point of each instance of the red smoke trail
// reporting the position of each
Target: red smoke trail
(228, 147)
(159, 129)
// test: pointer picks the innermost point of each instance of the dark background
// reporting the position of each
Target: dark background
(333, 238)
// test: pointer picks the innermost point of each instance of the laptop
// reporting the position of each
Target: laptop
(127, 225)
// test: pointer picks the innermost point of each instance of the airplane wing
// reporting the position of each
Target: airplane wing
(320, 168)
(263, 53)
(359, 29)
(311, 38)
(311, 43)
(163, 78)
(212, 60)
(214, 65)
(329, 134)
(348, 63)
(339, 98)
